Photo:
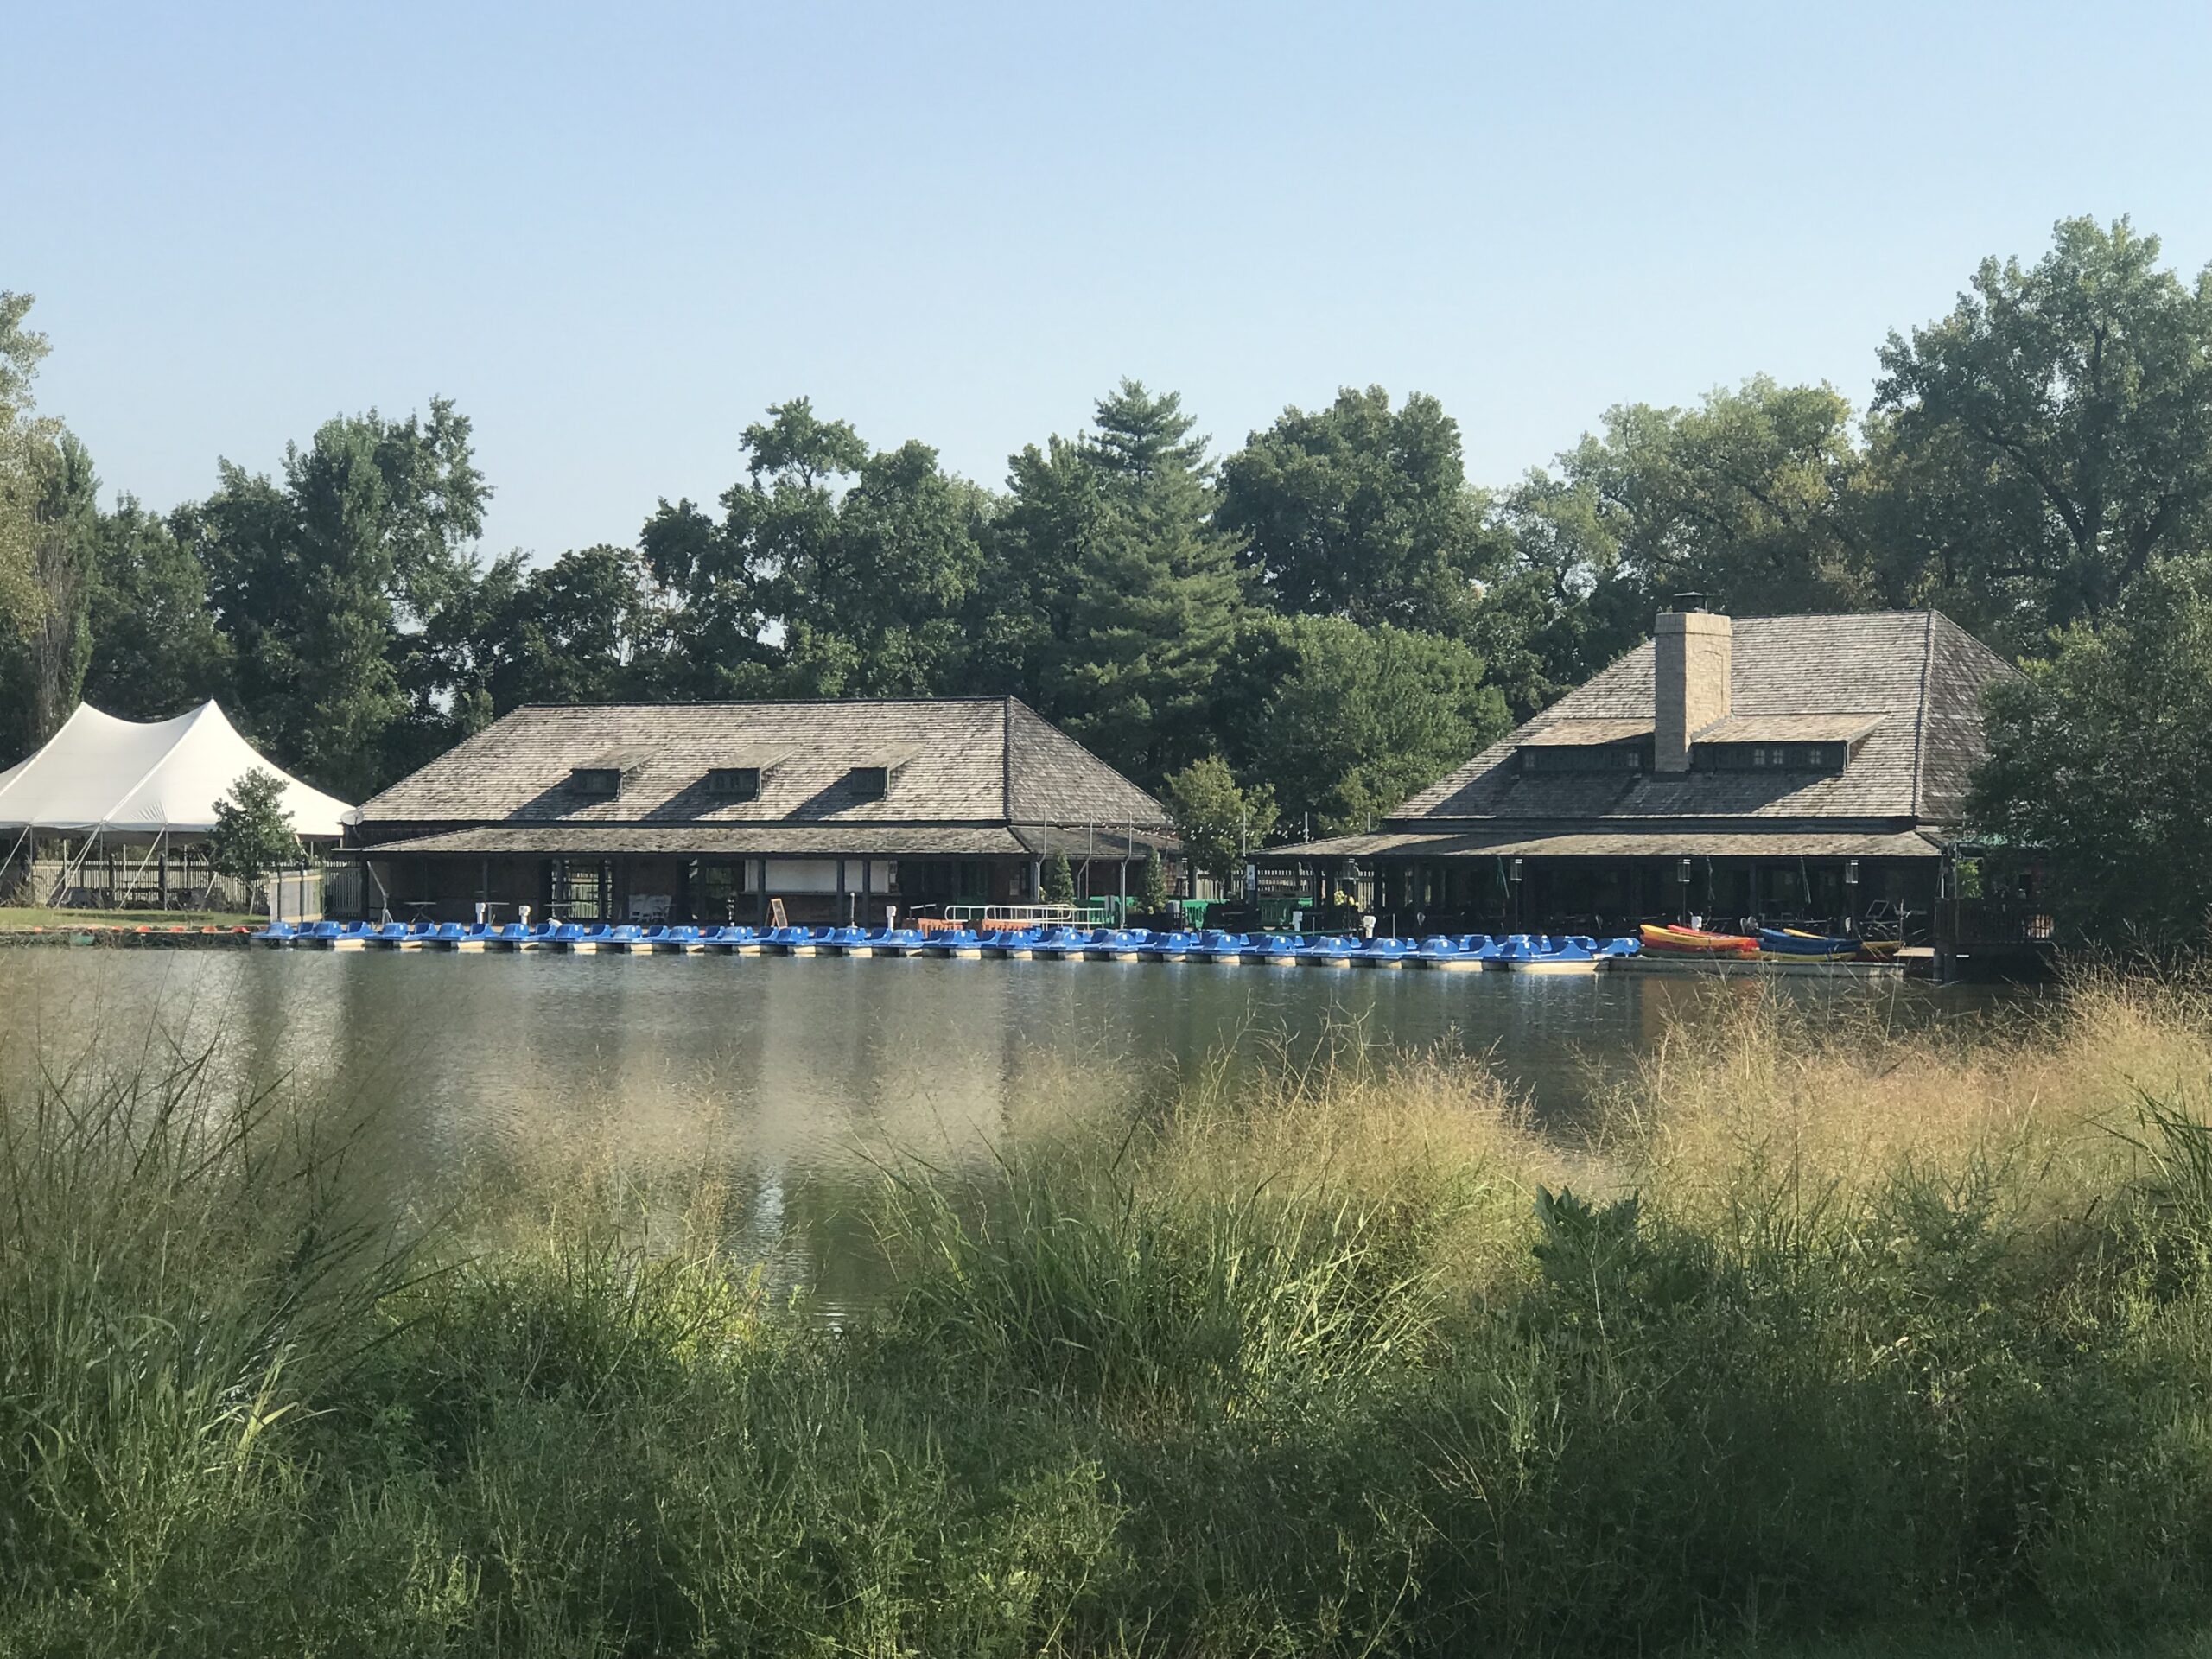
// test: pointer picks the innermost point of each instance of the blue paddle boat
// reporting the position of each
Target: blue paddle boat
(1059, 945)
(1383, 953)
(1228, 949)
(1167, 947)
(1527, 953)
(1113, 944)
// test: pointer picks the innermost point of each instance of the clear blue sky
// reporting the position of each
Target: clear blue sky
(614, 235)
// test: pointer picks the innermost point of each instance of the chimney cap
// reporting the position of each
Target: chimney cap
(1693, 601)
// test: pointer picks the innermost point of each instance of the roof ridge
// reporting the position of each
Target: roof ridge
(1827, 616)
(1920, 710)
(746, 703)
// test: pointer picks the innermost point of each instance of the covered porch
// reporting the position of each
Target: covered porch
(1876, 884)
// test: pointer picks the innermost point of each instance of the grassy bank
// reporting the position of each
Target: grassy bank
(1820, 1342)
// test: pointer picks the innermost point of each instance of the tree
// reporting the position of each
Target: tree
(253, 829)
(1749, 498)
(778, 523)
(43, 666)
(877, 607)
(1151, 888)
(1124, 598)
(325, 581)
(155, 650)
(1345, 722)
(860, 567)
(716, 616)
(46, 512)
(23, 437)
(1216, 821)
(1362, 512)
(586, 628)
(2063, 411)
(1060, 881)
(2099, 764)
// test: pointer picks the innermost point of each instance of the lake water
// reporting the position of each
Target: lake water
(788, 1075)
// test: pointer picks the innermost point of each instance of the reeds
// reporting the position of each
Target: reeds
(1816, 1333)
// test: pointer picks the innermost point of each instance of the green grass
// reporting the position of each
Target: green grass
(1851, 1346)
(33, 916)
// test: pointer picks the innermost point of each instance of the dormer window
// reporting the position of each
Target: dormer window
(596, 782)
(733, 783)
(1773, 757)
(871, 783)
(1606, 757)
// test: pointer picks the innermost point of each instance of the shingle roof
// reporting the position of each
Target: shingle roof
(581, 840)
(1789, 729)
(975, 760)
(1783, 843)
(1581, 734)
(1918, 670)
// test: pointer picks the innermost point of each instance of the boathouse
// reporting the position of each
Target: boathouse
(715, 812)
(1793, 769)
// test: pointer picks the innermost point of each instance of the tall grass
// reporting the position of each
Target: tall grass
(1814, 1335)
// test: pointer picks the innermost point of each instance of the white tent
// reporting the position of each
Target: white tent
(120, 777)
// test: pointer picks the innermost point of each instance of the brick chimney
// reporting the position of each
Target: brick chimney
(1692, 650)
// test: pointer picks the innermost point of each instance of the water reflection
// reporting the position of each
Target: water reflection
(784, 1078)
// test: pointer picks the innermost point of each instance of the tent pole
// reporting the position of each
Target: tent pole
(159, 836)
(77, 868)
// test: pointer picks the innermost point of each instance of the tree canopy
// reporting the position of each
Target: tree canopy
(1299, 630)
(253, 830)
(2100, 761)
(1362, 512)
(2062, 413)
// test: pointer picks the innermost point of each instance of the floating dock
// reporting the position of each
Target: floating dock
(1537, 954)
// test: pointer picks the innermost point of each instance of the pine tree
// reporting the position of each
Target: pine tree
(1132, 595)
(1152, 892)
(1060, 881)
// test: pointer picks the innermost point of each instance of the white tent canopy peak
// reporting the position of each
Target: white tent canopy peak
(153, 778)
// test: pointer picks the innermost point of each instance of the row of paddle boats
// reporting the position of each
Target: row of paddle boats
(1525, 952)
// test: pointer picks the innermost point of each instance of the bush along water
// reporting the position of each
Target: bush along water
(1809, 1337)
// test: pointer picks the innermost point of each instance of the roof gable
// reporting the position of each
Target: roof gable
(1912, 680)
(951, 757)
(1051, 777)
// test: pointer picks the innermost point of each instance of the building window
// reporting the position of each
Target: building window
(578, 895)
(1595, 757)
(599, 783)
(718, 885)
(1790, 757)
(871, 783)
(733, 783)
